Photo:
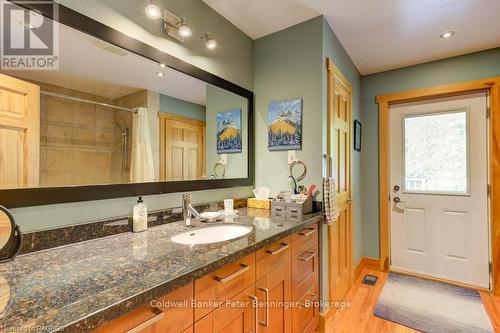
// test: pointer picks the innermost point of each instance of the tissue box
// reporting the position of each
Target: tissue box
(256, 212)
(259, 203)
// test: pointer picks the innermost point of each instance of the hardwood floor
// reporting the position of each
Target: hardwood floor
(359, 317)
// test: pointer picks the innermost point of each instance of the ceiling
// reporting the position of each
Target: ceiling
(379, 35)
(124, 72)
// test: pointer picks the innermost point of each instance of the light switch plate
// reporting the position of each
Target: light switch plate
(223, 159)
(292, 156)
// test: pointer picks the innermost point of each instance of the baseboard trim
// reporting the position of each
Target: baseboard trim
(366, 263)
(324, 318)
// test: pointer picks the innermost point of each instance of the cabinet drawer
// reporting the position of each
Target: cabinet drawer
(305, 271)
(305, 316)
(273, 255)
(304, 238)
(223, 284)
(172, 314)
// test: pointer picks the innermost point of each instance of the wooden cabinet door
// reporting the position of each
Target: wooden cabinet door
(19, 133)
(182, 153)
(274, 291)
(237, 315)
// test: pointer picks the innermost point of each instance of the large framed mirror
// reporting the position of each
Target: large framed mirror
(118, 118)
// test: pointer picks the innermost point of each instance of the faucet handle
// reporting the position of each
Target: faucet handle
(186, 197)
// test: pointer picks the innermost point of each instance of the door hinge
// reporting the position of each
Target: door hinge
(490, 267)
(488, 112)
(488, 190)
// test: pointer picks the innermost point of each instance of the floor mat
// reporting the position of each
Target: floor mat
(431, 306)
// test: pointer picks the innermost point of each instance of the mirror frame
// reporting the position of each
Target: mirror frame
(10, 250)
(24, 197)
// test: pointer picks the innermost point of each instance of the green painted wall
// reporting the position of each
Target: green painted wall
(290, 64)
(467, 67)
(220, 100)
(179, 107)
(232, 61)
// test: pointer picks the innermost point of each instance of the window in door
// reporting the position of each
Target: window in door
(436, 153)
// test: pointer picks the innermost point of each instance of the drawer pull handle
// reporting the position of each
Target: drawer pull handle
(309, 257)
(159, 314)
(256, 307)
(309, 233)
(312, 300)
(282, 248)
(243, 269)
(266, 322)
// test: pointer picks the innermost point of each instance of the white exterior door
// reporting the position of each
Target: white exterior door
(439, 178)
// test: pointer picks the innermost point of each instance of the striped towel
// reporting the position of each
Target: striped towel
(330, 200)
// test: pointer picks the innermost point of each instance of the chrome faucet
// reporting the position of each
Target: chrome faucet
(188, 210)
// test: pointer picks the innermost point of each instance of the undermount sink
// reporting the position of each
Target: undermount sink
(212, 234)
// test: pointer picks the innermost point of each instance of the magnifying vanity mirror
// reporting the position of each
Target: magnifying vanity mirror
(118, 118)
(10, 236)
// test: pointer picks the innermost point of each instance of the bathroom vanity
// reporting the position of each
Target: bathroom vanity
(284, 271)
(129, 282)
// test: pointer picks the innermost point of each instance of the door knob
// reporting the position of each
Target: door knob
(349, 200)
(398, 200)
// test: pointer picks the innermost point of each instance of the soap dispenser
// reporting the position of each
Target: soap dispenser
(140, 216)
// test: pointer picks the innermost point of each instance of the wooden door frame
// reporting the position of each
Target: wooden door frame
(332, 73)
(165, 116)
(492, 87)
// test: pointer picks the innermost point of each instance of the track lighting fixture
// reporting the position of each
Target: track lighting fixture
(153, 11)
(177, 27)
(210, 42)
(184, 30)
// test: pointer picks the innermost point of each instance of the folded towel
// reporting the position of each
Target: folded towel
(330, 200)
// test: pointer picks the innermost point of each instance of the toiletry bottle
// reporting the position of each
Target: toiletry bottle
(140, 216)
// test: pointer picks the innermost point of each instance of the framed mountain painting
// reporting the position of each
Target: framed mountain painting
(229, 132)
(285, 125)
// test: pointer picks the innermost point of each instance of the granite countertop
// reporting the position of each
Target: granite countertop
(79, 287)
